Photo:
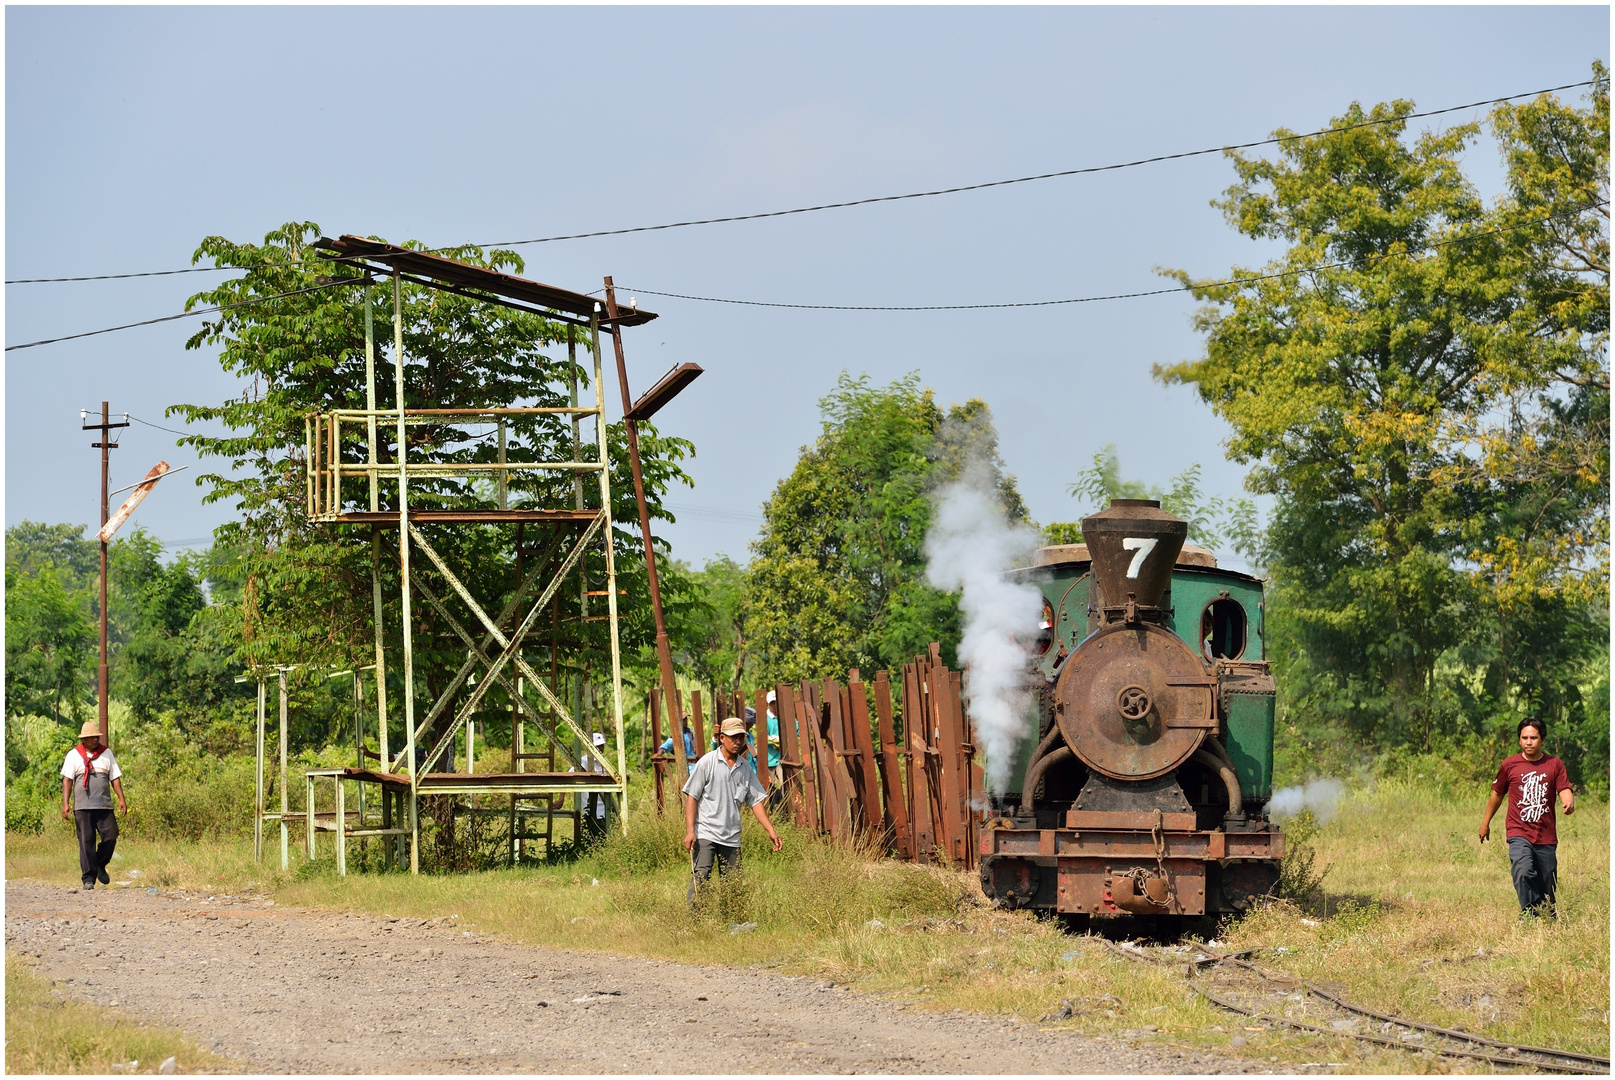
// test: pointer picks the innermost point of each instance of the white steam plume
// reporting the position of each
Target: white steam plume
(1322, 797)
(969, 546)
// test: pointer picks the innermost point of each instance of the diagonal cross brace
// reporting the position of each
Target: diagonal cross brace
(510, 647)
(477, 653)
(471, 660)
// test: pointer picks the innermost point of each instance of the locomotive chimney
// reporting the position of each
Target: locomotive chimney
(1134, 544)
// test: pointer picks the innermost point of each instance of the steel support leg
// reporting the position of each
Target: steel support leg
(341, 828)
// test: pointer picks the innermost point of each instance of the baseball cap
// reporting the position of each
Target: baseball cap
(599, 739)
(732, 726)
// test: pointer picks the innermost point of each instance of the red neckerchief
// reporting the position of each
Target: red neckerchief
(89, 761)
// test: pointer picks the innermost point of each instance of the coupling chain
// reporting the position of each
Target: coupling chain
(1158, 833)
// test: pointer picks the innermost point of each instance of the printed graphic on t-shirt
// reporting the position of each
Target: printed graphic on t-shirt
(1533, 797)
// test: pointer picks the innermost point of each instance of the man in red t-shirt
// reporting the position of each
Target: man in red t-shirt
(1531, 779)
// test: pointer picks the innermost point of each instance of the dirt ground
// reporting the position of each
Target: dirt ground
(286, 990)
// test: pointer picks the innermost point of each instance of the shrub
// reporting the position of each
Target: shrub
(1298, 880)
(23, 814)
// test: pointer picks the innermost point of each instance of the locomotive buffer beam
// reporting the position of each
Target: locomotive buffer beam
(1086, 871)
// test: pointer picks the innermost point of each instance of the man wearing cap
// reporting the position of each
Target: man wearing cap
(720, 783)
(90, 775)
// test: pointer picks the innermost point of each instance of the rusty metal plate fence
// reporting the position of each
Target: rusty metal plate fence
(889, 763)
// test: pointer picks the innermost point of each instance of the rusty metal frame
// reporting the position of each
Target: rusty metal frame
(328, 501)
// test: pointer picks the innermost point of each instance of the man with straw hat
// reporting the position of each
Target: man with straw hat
(91, 775)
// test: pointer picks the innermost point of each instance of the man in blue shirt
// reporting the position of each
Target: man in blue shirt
(689, 745)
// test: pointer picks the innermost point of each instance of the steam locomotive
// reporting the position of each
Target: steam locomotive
(1142, 788)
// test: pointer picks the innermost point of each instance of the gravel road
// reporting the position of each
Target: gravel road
(285, 990)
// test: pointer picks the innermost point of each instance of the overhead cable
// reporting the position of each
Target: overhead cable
(1028, 179)
(181, 315)
(322, 260)
(874, 307)
(1254, 279)
(890, 198)
(159, 427)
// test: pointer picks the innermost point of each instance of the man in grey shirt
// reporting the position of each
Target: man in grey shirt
(720, 783)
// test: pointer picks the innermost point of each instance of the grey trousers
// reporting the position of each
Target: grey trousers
(707, 853)
(98, 835)
(1535, 868)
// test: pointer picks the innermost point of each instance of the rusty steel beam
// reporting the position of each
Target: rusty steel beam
(832, 802)
(665, 390)
(387, 519)
(847, 809)
(664, 653)
(891, 776)
(805, 727)
(451, 272)
(760, 712)
(924, 833)
(790, 753)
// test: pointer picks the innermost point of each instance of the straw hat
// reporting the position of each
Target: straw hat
(91, 727)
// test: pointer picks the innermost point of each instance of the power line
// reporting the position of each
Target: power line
(321, 260)
(159, 427)
(869, 307)
(181, 315)
(1110, 296)
(885, 198)
(115, 277)
(1029, 179)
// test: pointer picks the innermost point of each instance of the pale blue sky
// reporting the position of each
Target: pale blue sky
(131, 133)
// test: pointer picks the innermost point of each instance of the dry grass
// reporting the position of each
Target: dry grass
(1412, 898)
(46, 1033)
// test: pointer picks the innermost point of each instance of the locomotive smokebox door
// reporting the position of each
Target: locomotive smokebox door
(1134, 702)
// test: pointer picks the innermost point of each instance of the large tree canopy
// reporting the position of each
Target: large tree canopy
(839, 576)
(1422, 382)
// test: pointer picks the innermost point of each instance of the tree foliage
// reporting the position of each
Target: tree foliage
(171, 650)
(1421, 381)
(711, 635)
(1214, 522)
(838, 580)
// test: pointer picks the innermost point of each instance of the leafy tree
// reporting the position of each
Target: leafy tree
(51, 640)
(170, 650)
(50, 647)
(176, 652)
(839, 576)
(1364, 374)
(711, 635)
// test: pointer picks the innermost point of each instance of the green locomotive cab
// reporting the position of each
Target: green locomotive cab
(1149, 755)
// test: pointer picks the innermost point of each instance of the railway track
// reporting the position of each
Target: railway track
(1198, 963)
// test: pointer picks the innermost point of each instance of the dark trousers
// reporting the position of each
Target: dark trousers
(94, 826)
(1535, 868)
(707, 853)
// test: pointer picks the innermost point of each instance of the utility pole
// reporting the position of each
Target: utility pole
(106, 446)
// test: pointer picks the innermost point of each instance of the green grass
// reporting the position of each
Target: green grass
(47, 1033)
(1411, 898)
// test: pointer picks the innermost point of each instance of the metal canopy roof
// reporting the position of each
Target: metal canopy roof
(461, 275)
